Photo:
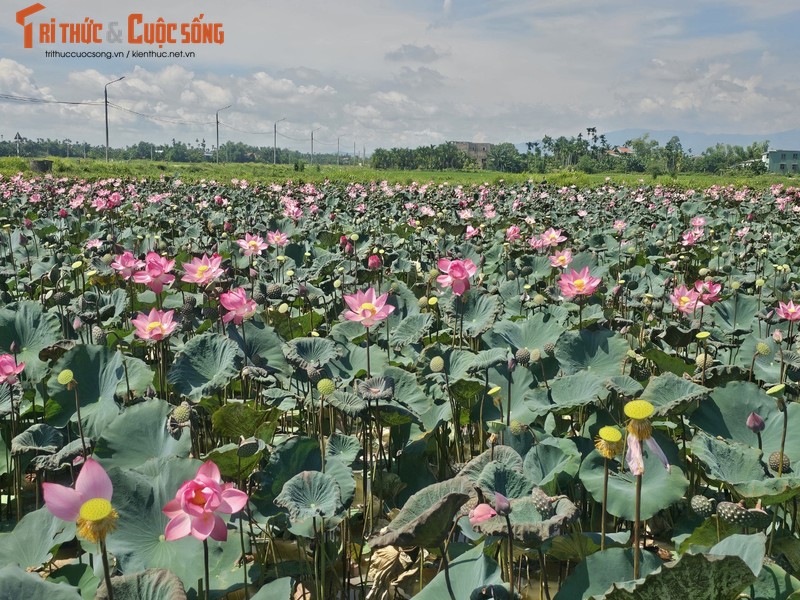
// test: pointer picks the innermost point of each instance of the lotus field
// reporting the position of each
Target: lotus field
(382, 391)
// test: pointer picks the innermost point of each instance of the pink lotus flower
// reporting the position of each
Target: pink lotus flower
(9, 368)
(238, 305)
(481, 513)
(685, 300)
(512, 233)
(252, 244)
(194, 510)
(277, 238)
(709, 291)
(578, 283)
(203, 271)
(561, 258)
(552, 237)
(155, 326)
(456, 274)
(126, 264)
(788, 311)
(366, 308)
(620, 225)
(156, 274)
(634, 457)
(89, 504)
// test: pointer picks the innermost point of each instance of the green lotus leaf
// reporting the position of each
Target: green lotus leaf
(34, 539)
(497, 477)
(578, 390)
(206, 364)
(601, 570)
(469, 572)
(486, 359)
(600, 352)
(736, 315)
(767, 367)
(577, 546)
(349, 403)
(310, 352)
(552, 463)
(773, 583)
(668, 392)
(345, 448)
(726, 410)
(151, 584)
(139, 434)
(660, 488)
(16, 583)
(236, 420)
(310, 494)
(261, 344)
(31, 328)
(289, 457)
(138, 542)
(425, 520)
(531, 333)
(411, 330)
(695, 576)
(501, 454)
(53, 462)
(80, 576)
(230, 464)
(280, 589)
(527, 523)
(37, 438)
(101, 376)
(475, 311)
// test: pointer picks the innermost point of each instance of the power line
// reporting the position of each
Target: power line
(173, 120)
(29, 100)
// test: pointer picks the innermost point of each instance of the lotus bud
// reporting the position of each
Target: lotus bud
(374, 262)
(501, 504)
(755, 423)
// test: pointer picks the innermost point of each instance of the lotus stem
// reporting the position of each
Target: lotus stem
(446, 564)
(603, 508)
(636, 524)
(369, 371)
(510, 555)
(543, 583)
(107, 573)
(206, 577)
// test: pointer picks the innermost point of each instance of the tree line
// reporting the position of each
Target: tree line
(174, 151)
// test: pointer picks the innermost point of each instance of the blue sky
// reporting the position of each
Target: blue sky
(413, 72)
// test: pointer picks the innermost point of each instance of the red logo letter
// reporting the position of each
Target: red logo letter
(28, 28)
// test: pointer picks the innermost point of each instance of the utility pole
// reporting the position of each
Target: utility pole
(18, 139)
(312, 145)
(105, 96)
(223, 108)
(275, 141)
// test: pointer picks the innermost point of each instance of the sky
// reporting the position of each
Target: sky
(403, 73)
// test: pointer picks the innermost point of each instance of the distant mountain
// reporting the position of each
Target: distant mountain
(698, 142)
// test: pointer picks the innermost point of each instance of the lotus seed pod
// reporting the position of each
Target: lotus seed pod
(702, 506)
(543, 503)
(182, 413)
(539, 300)
(550, 348)
(326, 386)
(703, 272)
(703, 361)
(536, 355)
(517, 428)
(510, 275)
(775, 461)
(523, 356)
(248, 447)
(763, 349)
(732, 513)
(437, 364)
